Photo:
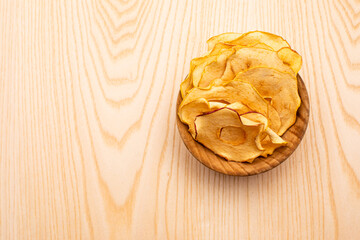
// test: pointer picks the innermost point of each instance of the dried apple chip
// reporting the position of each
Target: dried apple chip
(219, 47)
(274, 41)
(280, 87)
(187, 83)
(228, 64)
(215, 69)
(253, 45)
(271, 142)
(197, 67)
(222, 38)
(223, 132)
(290, 58)
(247, 58)
(254, 119)
(197, 107)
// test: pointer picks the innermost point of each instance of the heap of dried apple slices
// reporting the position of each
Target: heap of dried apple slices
(242, 96)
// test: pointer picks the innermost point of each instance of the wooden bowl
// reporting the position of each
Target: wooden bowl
(293, 136)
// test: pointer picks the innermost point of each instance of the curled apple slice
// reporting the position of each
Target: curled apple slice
(290, 58)
(215, 69)
(271, 142)
(278, 86)
(197, 107)
(247, 58)
(222, 38)
(223, 132)
(274, 41)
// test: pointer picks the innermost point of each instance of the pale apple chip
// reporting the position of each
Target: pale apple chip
(290, 58)
(238, 107)
(271, 142)
(267, 140)
(227, 76)
(219, 47)
(223, 132)
(194, 63)
(254, 119)
(197, 107)
(247, 58)
(274, 41)
(223, 67)
(187, 83)
(280, 87)
(222, 38)
(198, 65)
(196, 70)
(215, 69)
(253, 45)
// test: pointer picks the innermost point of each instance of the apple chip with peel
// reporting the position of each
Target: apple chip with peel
(201, 106)
(222, 68)
(197, 107)
(194, 63)
(215, 69)
(231, 135)
(271, 142)
(274, 41)
(219, 47)
(290, 58)
(247, 58)
(222, 38)
(280, 87)
(253, 119)
(198, 65)
(267, 140)
(223, 132)
(187, 83)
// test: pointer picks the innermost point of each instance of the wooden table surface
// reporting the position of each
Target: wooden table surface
(89, 147)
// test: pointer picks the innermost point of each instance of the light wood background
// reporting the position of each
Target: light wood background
(88, 142)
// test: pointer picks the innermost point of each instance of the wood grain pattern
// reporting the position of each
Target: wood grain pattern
(292, 136)
(89, 147)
